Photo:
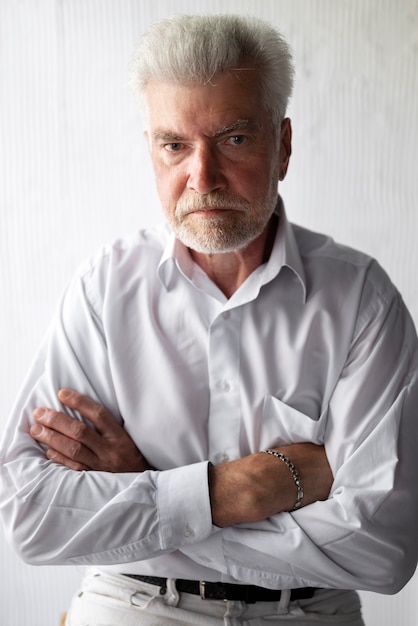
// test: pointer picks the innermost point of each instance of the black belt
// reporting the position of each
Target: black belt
(226, 591)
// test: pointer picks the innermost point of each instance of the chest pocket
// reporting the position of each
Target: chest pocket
(282, 425)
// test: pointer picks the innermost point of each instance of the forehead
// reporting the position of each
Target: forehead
(227, 99)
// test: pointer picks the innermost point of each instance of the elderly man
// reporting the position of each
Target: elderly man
(245, 390)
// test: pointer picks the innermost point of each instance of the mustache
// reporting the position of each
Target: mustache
(209, 201)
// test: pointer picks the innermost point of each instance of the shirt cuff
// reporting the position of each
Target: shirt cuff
(183, 502)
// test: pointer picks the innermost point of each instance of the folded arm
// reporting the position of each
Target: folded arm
(246, 490)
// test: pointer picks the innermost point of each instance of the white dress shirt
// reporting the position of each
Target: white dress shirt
(316, 346)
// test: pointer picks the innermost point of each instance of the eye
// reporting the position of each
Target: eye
(173, 147)
(237, 140)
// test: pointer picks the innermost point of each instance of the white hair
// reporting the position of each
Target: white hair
(193, 49)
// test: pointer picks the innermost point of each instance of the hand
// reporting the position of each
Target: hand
(258, 486)
(76, 445)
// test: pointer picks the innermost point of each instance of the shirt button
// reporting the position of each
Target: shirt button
(226, 315)
(204, 558)
(224, 385)
(188, 531)
(220, 457)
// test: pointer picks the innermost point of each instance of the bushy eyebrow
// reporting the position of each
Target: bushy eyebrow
(162, 135)
(235, 126)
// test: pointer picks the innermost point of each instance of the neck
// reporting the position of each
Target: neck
(228, 270)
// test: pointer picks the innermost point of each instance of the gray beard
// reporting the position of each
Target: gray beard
(231, 231)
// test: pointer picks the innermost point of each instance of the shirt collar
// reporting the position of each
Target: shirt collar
(175, 257)
(285, 253)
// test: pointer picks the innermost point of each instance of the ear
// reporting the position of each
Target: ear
(285, 149)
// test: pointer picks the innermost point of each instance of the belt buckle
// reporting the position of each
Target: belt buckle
(202, 589)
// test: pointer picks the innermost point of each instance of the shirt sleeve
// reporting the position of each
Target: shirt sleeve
(365, 535)
(53, 515)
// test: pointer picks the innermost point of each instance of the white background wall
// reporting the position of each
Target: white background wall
(74, 174)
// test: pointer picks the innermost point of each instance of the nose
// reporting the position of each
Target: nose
(205, 173)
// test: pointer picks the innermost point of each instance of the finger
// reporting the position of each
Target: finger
(111, 450)
(70, 448)
(93, 411)
(67, 426)
(61, 459)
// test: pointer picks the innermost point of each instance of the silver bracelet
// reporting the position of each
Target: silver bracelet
(295, 475)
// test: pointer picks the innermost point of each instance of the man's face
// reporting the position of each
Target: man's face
(216, 159)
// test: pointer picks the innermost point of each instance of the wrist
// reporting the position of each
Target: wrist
(295, 475)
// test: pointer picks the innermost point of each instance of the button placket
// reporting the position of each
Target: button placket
(224, 409)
